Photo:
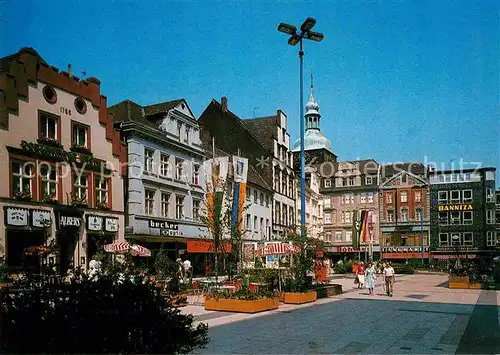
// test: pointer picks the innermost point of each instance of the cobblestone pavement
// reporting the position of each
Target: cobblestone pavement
(423, 317)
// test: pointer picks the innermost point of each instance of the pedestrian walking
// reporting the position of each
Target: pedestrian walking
(361, 275)
(389, 278)
(381, 271)
(370, 275)
(188, 270)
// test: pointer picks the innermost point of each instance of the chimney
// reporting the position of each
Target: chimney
(223, 102)
(69, 70)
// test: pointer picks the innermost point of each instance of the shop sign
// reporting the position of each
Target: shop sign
(166, 228)
(16, 217)
(69, 221)
(94, 223)
(457, 249)
(404, 249)
(405, 255)
(40, 218)
(202, 246)
(111, 225)
(461, 207)
(351, 249)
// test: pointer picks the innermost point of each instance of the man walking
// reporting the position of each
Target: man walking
(389, 278)
(188, 270)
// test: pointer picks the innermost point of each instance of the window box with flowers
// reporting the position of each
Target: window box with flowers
(23, 196)
(77, 201)
(81, 149)
(103, 206)
(50, 199)
(51, 142)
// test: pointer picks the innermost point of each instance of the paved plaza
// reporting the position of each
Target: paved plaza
(423, 317)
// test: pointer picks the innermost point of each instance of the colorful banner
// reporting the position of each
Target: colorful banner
(216, 172)
(240, 168)
(355, 229)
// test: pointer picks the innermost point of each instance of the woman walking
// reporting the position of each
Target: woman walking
(361, 275)
(382, 268)
(370, 278)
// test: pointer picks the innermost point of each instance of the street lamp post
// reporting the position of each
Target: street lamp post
(422, 234)
(296, 37)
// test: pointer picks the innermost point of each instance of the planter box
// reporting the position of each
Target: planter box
(462, 282)
(328, 291)
(243, 306)
(300, 297)
(281, 297)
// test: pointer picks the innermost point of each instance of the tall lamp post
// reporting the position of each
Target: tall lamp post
(296, 37)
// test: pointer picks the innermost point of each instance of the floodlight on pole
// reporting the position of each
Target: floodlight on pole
(296, 38)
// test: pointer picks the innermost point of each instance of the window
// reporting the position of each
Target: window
(338, 236)
(418, 196)
(290, 215)
(179, 169)
(362, 198)
(255, 198)
(255, 223)
(442, 196)
(283, 184)
(149, 201)
(249, 194)
(368, 180)
(390, 216)
(247, 222)
(404, 196)
(196, 174)
(490, 216)
(267, 200)
(342, 217)
(164, 162)
(80, 105)
(344, 182)
(148, 159)
(22, 174)
(80, 187)
(49, 94)
(328, 218)
(418, 214)
(443, 239)
(285, 215)
(49, 182)
(165, 203)
(455, 217)
(328, 183)
(277, 213)
(262, 226)
(348, 216)
(468, 239)
(80, 135)
(196, 209)
(456, 239)
(290, 187)
(388, 197)
(454, 196)
(101, 190)
(352, 199)
(48, 126)
(261, 199)
(490, 240)
(404, 215)
(490, 175)
(467, 195)
(179, 207)
(490, 196)
(348, 236)
(186, 135)
(404, 178)
(467, 217)
(370, 197)
(352, 181)
(276, 181)
(443, 218)
(327, 202)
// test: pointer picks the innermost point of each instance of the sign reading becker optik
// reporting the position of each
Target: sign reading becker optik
(461, 207)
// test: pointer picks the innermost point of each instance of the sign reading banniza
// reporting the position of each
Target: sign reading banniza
(462, 207)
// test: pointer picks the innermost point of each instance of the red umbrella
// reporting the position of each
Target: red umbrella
(125, 247)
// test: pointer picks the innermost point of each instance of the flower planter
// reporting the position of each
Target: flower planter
(462, 282)
(243, 306)
(281, 297)
(328, 291)
(300, 297)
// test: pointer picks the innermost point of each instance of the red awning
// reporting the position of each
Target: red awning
(125, 247)
(277, 249)
(206, 246)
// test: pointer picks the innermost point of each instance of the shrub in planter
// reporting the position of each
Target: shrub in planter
(102, 317)
(242, 301)
(343, 268)
(403, 269)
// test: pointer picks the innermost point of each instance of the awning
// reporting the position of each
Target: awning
(125, 247)
(207, 246)
(278, 249)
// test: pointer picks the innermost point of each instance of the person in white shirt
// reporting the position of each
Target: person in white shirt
(389, 277)
(188, 270)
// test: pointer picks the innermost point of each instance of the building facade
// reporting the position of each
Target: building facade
(62, 164)
(272, 132)
(352, 188)
(165, 187)
(404, 212)
(314, 205)
(462, 214)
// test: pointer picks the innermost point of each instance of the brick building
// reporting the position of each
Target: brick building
(404, 211)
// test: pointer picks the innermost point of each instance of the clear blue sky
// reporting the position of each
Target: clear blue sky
(396, 81)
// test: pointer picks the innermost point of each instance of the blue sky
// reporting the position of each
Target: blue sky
(396, 81)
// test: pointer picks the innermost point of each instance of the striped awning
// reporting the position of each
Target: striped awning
(125, 247)
(278, 249)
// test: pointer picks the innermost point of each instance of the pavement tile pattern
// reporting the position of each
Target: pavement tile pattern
(422, 317)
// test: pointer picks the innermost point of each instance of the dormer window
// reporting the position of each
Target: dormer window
(179, 126)
(186, 135)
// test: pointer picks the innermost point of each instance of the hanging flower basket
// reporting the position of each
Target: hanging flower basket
(38, 250)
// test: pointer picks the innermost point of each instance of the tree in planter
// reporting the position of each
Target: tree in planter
(302, 263)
